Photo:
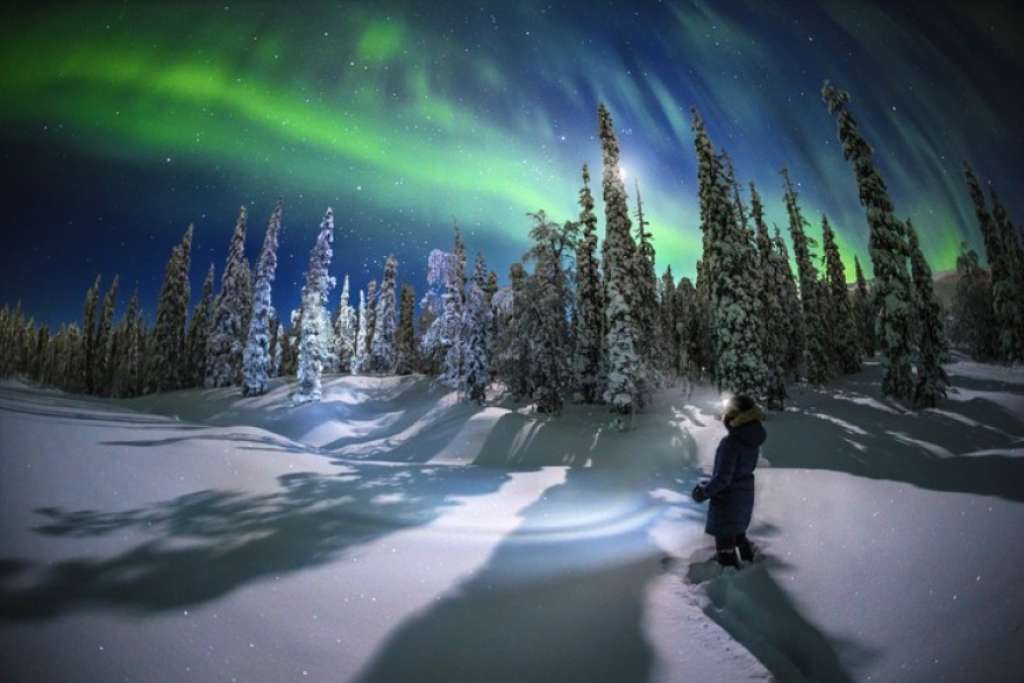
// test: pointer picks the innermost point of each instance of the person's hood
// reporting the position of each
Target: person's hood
(747, 427)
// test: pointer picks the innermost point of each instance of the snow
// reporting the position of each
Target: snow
(392, 532)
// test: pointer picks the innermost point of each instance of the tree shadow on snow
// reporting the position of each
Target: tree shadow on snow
(89, 410)
(582, 433)
(558, 603)
(209, 543)
(272, 443)
(963, 446)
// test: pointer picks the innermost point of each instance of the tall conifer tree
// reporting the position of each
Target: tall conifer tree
(814, 330)
(315, 323)
(232, 310)
(165, 362)
(625, 373)
(932, 350)
(729, 261)
(105, 343)
(405, 337)
(92, 299)
(199, 334)
(345, 324)
(864, 312)
(383, 355)
(887, 244)
(476, 328)
(840, 314)
(1008, 291)
(589, 337)
(360, 356)
(776, 324)
(256, 358)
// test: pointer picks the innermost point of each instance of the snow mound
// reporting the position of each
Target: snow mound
(413, 419)
(392, 532)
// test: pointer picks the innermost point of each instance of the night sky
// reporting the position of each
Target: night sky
(122, 123)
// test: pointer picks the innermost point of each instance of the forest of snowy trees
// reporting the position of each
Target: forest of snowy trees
(576, 319)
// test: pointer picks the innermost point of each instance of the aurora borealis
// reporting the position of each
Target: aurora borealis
(123, 123)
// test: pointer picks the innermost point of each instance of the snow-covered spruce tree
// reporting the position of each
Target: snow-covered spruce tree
(405, 336)
(667, 340)
(431, 350)
(887, 244)
(383, 355)
(199, 334)
(688, 329)
(92, 299)
(973, 326)
(65, 355)
(513, 344)
(998, 264)
(256, 359)
(491, 287)
(50, 358)
(289, 336)
(345, 321)
(546, 326)
(794, 353)
(814, 332)
(426, 364)
(246, 290)
(450, 320)
(748, 265)
(733, 286)
(25, 343)
(38, 341)
(839, 312)
(315, 323)
(491, 291)
(589, 351)
(105, 343)
(371, 317)
(6, 343)
(1013, 244)
(702, 361)
(230, 314)
(625, 371)
(776, 326)
(645, 289)
(1007, 292)
(932, 349)
(476, 326)
(707, 164)
(71, 369)
(166, 358)
(55, 354)
(276, 344)
(864, 312)
(128, 370)
(359, 360)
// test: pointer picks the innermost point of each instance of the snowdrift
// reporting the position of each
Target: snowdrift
(391, 533)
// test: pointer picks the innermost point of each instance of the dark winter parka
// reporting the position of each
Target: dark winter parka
(731, 489)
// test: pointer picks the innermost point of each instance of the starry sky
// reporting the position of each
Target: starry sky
(122, 123)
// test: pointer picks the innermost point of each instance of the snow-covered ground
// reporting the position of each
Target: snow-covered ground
(391, 533)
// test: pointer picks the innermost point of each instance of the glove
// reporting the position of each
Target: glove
(698, 493)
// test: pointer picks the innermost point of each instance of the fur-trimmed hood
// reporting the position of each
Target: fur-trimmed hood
(755, 414)
(747, 427)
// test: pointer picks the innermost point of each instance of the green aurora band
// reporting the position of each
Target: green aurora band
(370, 108)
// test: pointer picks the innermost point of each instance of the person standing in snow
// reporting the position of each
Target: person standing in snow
(731, 487)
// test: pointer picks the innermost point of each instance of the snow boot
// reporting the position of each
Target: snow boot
(748, 551)
(727, 558)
